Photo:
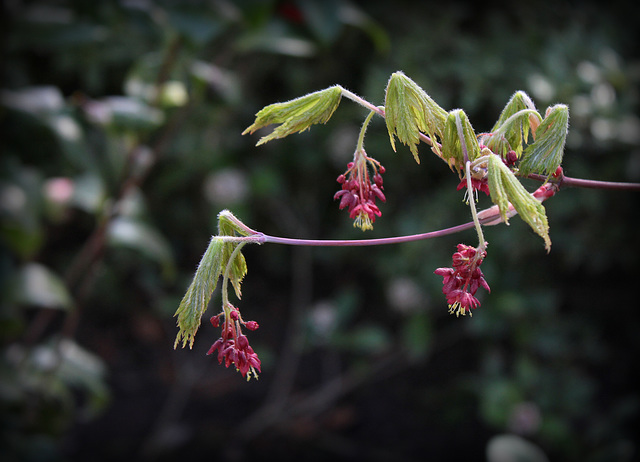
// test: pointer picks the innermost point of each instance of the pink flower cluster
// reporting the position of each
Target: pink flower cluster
(359, 193)
(461, 282)
(233, 346)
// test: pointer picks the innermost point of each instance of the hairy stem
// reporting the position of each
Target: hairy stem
(367, 242)
(363, 102)
(227, 271)
(472, 204)
(590, 184)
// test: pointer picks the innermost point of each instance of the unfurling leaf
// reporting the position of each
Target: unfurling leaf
(459, 138)
(497, 190)
(506, 190)
(298, 114)
(544, 155)
(195, 301)
(519, 101)
(213, 264)
(511, 131)
(409, 111)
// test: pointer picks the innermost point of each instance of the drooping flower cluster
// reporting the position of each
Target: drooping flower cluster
(461, 282)
(359, 192)
(233, 346)
(480, 184)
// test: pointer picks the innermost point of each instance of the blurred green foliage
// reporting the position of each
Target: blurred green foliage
(121, 142)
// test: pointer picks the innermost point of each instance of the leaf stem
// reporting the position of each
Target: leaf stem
(264, 238)
(378, 110)
(590, 184)
(472, 203)
(362, 102)
(227, 271)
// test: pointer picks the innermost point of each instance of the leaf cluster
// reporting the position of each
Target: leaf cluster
(413, 116)
(222, 258)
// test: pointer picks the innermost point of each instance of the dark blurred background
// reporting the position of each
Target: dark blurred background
(121, 142)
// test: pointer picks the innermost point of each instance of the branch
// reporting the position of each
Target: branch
(590, 184)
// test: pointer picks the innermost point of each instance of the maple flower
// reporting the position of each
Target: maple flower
(233, 346)
(360, 190)
(477, 185)
(461, 282)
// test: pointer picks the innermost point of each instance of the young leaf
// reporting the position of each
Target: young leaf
(459, 139)
(518, 102)
(497, 190)
(505, 188)
(195, 301)
(229, 225)
(409, 111)
(298, 114)
(213, 264)
(544, 156)
(511, 131)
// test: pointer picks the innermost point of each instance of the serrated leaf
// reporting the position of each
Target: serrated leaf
(513, 134)
(497, 190)
(511, 131)
(229, 225)
(544, 156)
(409, 111)
(213, 264)
(518, 102)
(505, 189)
(195, 301)
(459, 138)
(298, 114)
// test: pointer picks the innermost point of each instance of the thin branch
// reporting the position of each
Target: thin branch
(264, 238)
(590, 184)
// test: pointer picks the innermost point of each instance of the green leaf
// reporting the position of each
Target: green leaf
(497, 190)
(505, 189)
(459, 138)
(195, 301)
(511, 131)
(298, 114)
(229, 225)
(518, 102)
(213, 264)
(409, 111)
(544, 156)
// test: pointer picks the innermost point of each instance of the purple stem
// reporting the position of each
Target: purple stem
(592, 184)
(563, 181)
(263, 238)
